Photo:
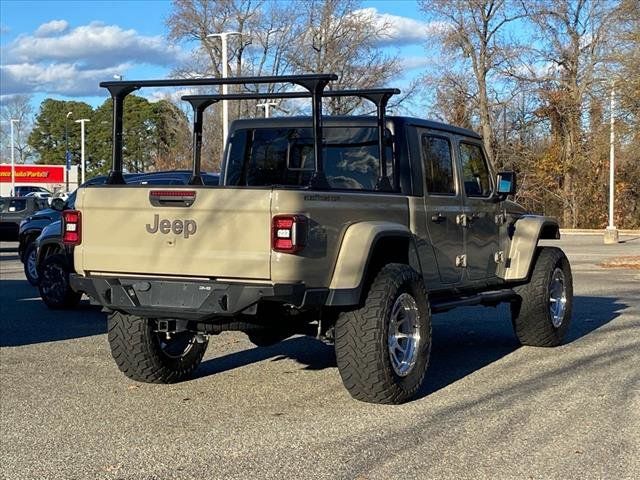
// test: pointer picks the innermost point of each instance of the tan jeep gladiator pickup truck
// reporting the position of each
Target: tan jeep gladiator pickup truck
(352, 229)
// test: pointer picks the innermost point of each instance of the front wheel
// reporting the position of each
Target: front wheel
(541, 312)
(146, 355)
(30, 264)
(382, 349)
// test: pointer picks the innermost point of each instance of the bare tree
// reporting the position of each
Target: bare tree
(319, 36)
(454, 101)
(16, 107)
(571, 35)
(474, 35)
(336, 37)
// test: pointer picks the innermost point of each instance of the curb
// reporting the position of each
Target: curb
(593, 231)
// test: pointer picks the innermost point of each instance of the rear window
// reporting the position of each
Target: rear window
(284, 156)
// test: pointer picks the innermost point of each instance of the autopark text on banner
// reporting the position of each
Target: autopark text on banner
(33, 173)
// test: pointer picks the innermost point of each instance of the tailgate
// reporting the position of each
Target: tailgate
(222, 233)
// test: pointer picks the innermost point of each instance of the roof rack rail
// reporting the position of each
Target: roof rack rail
(314, 83)
(378, 96)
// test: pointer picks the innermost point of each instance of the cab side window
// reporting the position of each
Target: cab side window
(436, 152)
(475, 172)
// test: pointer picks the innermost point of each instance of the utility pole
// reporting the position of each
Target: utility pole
(266, 106)
(13, 160)
(611, 232)
(67, 153)
(82, 122)
(225, 73)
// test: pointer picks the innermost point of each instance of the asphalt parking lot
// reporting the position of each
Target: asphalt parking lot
(488, 409)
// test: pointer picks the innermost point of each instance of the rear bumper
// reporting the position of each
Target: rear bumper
(191, 299)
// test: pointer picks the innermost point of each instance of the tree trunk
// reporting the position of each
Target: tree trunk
(485, 116)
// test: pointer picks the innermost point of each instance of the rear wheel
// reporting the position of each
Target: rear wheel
(541, 313)
(54, 286)
(30, 268)
(382, 349)
(145, 355)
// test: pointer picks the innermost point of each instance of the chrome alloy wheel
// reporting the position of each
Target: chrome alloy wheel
(557, 297)
(404, 334)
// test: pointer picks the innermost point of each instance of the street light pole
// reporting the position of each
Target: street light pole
(13, 161)
(82, 122)
(67, 155)
(225, 73)
(611, 232)
(266, 106)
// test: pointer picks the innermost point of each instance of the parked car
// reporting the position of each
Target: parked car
(53, 261)
(24, 190)
(13, 210)
(43, 195)
(33, 225)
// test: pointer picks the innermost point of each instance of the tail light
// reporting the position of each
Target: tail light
(71, 227)
(289, 233)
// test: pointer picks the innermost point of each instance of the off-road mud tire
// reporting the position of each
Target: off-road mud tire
(361, 337)
(532, 320)
(135, 347)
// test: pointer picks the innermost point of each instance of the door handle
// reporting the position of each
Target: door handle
(438, 217)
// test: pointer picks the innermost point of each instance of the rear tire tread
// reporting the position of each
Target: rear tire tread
(361, 341)
(138, 355)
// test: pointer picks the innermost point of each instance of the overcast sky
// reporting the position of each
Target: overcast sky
(63, 49)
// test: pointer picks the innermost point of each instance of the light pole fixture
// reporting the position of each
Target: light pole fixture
(266, 106)
(67, 154)
(225, 73)
(13, 160)
(118, 77)
(611, 232)
(82, 122)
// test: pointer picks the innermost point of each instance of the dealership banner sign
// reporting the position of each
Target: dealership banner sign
(33, 173)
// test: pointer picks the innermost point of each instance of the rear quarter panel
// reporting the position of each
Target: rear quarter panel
(330, 214)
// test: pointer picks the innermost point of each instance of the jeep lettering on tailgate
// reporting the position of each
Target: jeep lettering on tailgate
(178, 227)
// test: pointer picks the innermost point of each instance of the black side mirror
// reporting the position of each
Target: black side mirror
(58, 204)
(506, 183)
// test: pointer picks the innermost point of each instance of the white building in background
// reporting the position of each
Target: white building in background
(51, 177)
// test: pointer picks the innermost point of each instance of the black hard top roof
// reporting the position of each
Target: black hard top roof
(350, 120)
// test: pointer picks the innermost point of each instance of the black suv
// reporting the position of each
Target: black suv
(13, 210)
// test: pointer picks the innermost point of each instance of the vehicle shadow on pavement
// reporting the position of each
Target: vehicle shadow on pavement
(462, 346)
(464, 341)
(25, 319)
(307, 351)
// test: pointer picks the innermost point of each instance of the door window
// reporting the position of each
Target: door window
(436, 152)
(475, 171)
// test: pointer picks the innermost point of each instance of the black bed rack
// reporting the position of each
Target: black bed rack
(314, 84)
